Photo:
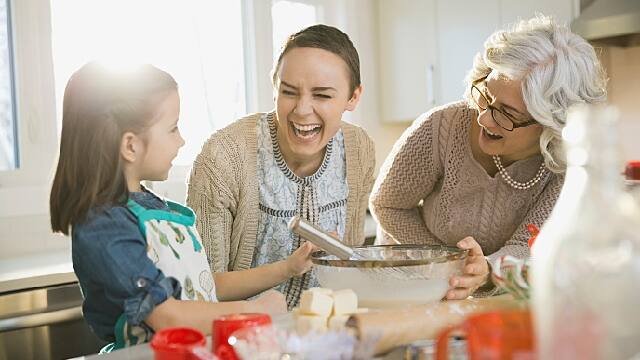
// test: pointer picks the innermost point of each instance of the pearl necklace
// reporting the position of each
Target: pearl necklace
(516, 184)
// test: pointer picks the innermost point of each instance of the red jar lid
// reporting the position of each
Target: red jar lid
(177, 342)
(632, 170)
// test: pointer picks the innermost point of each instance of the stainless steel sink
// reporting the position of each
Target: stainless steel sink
(45, 323)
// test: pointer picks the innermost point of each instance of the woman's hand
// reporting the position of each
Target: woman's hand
(476, 271)
(271, 302)
(300, 261)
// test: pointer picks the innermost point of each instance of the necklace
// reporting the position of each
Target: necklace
(516, 184)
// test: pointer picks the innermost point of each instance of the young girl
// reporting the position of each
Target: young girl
(137, 256)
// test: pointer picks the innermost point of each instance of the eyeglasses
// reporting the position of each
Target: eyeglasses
(501, 118)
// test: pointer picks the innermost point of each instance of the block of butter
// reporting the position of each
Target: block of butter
(344, 302)
(337, 322)
(316, 302)
(321, 290)
(309, 322)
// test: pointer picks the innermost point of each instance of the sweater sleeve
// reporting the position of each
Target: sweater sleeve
(213, 202)
(408, 175)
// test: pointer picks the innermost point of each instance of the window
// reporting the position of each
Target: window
(198, 42)
(9, 159)
(289, 17)
(267, 25)
(220, 52)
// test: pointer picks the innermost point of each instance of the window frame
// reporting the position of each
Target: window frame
(24, 191)
(12, 86)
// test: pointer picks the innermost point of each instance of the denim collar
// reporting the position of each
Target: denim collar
(148, 199)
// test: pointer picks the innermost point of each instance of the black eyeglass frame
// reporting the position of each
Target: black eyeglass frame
(513, 121)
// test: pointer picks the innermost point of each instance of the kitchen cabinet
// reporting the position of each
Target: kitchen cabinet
(426, 47)
(407, 62)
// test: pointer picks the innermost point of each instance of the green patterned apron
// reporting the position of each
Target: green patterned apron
(175, 248)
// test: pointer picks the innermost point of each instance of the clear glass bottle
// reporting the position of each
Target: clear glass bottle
(586, 260)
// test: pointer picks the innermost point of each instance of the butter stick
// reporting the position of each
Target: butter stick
(316, 303)
(344, 302)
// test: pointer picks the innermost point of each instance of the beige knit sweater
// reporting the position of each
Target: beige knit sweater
(223, 191)
(432, 191)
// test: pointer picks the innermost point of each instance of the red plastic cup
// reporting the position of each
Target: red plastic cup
(226, 325)
(177, 343)
(493, 336)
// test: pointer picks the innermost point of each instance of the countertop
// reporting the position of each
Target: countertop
(144, 351)
(284, 321)
(37, 270)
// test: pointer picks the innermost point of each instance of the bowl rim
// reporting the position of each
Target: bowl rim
(454, 253)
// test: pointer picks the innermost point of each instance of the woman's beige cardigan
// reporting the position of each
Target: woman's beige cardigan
(223, 191)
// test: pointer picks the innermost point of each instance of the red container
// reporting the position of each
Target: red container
(177, 343)
(226, 325)
(632, 170)
(493, 336)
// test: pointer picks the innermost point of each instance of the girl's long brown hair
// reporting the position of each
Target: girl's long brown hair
(99, 106)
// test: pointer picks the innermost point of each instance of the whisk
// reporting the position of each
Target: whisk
(333, 246)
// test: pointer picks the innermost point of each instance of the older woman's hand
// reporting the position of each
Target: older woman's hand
(476, 271)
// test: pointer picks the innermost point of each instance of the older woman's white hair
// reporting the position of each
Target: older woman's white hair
(557, 68)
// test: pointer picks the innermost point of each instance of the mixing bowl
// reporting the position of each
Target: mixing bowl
(392, 275)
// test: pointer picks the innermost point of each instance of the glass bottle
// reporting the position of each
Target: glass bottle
(586, 260)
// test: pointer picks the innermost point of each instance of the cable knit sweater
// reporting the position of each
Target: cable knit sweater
(223, 191)
(432, 191)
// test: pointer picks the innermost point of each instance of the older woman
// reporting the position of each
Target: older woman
(475, 173)
(254, 175)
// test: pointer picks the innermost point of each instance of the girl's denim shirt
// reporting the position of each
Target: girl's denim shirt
(116, 277)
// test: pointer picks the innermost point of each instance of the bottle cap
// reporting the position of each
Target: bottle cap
(632, 170)
(177, 343)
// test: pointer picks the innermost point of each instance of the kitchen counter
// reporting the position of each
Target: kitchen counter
(444, 313)
(138, 352)
(144, 351)
(35, 271)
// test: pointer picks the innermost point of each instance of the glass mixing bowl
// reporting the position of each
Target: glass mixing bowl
(392, 275)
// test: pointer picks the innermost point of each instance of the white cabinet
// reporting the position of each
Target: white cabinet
(407, 58)
(426, 47)
(462, 28)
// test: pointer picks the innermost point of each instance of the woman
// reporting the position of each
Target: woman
(254, 175)
(475, 173)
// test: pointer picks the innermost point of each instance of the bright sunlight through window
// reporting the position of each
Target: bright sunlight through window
(289, 17)
(199, 42)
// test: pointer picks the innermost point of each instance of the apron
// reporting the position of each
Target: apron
(175, 248)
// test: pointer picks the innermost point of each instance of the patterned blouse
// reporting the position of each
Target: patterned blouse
(320, 198)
